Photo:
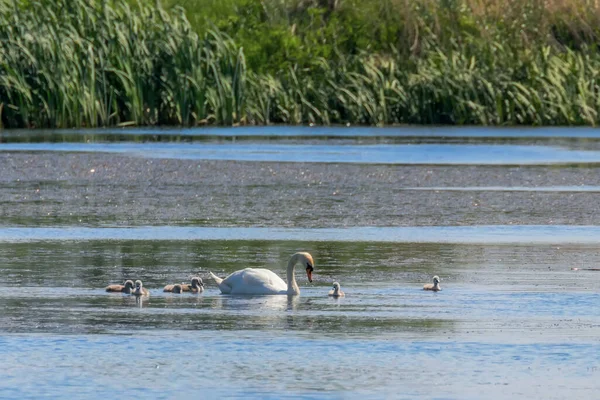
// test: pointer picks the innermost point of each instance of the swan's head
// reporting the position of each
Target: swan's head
(197, 282)
(309, 264)
(336, 286)
(138, 285)
(128, 284)
(436, 280)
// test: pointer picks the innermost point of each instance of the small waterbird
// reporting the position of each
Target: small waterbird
(435, 286)
(126, 288)
(197, 286)
(336, 291)
(140, 290)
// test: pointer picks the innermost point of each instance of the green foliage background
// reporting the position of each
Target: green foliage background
(92, 63)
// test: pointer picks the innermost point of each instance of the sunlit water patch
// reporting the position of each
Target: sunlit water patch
(428, 154)
(493, 234)
(396, 145)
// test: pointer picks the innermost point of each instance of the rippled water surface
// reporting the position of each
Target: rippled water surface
(514, 319)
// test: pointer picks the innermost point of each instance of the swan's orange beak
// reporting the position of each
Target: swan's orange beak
(309, 271)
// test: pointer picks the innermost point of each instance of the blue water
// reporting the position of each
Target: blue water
(510, 320)
(332, 132)
(410, 145)
(428, 154)
(212, 364)
(492, 234)
(513, 320)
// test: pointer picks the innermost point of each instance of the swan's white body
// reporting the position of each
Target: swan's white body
(261, 281)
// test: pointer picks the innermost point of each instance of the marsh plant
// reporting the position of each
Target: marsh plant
(88, 63)
(79, 63)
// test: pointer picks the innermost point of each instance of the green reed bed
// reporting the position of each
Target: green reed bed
(86, 63)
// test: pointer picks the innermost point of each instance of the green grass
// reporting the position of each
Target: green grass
(86, 63)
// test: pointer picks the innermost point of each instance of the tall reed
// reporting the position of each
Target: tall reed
(87, 63)
(80, 63)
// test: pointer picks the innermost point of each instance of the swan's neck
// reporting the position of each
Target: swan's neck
(292, 288)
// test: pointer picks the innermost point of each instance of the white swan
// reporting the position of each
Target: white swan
(263, 281)
(336, 291)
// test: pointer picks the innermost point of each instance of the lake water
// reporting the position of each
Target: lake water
(329, 145)
(501, 215)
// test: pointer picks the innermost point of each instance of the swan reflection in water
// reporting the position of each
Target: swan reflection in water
(128, 301)
(141, 301)
(261, 312)
(255, 304)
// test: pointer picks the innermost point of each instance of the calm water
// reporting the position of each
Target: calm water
(493, 234)
(428, 154)
(442, 146)
(512, 321)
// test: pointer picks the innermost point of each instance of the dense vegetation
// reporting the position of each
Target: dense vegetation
(67, 63)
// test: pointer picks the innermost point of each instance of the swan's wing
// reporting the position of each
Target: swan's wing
(262, 276)
(255, 281)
